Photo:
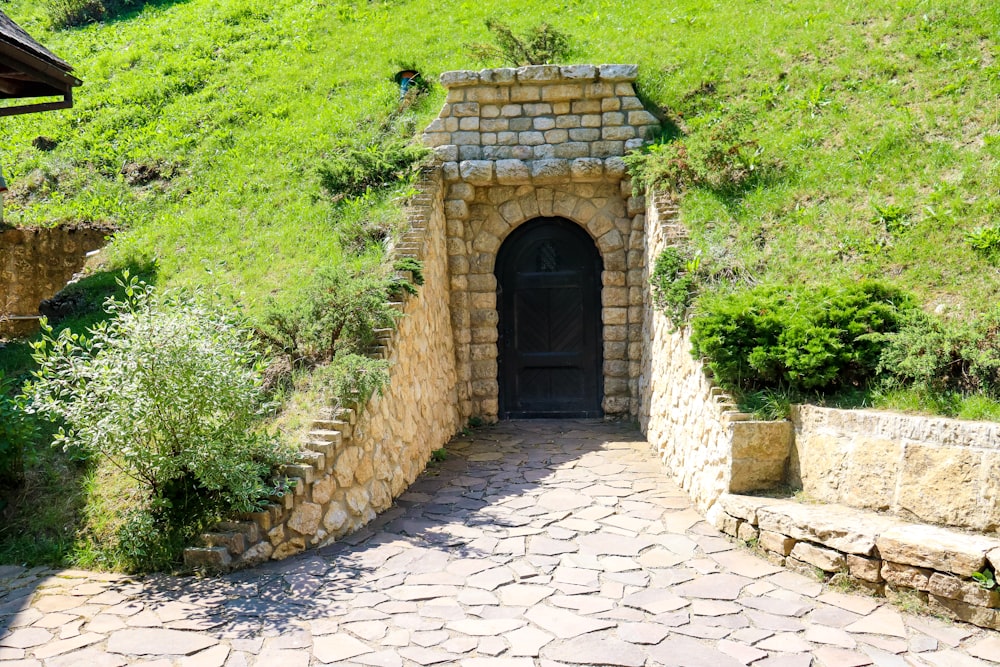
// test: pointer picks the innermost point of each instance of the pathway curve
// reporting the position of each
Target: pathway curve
(534, 543)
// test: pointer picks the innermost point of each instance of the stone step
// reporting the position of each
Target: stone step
(325, 447)
(320, 434)
(301, 471)
(315, 459)
(235, 543)
(216, 559)
(249, 529)
(344, 428)
(348, 415)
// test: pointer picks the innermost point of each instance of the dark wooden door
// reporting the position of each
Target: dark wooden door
(549, 300)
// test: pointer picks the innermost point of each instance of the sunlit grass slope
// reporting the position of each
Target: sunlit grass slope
(234, 103)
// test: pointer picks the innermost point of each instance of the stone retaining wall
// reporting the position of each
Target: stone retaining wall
(930, 469)
(875, 550)
(707, 444)
(37, 263)
(356, 462)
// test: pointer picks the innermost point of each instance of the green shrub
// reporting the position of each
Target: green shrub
(803, 338)
(674, 283)
(337, 313)
(354, 169)
(985, 240)
(540, 45)
(169, 391)
(938, 355)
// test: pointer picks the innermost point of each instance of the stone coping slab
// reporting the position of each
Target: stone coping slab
(531, 74)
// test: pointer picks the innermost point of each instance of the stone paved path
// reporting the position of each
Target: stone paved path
(535, 543)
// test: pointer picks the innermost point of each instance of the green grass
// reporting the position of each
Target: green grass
(202, 125)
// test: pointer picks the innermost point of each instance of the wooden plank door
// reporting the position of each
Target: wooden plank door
(548, 282)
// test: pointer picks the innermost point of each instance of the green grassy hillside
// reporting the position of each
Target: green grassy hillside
(873, 129)
(201, 125)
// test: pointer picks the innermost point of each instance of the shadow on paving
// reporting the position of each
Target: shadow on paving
(439, 519)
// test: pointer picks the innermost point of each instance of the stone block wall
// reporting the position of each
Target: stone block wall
(875, 550)
(357, 461)
(694, 427)
(37, 263)
(541, 141)
(931, 469)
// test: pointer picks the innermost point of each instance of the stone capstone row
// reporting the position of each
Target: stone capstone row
(874, 550)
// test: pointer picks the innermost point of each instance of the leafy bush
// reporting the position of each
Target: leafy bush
(985, 240)
(801, 338)
(674, 283)
(169, 391)
(540, 45)
(937, 355)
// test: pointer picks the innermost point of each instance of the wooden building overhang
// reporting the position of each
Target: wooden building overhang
(28, 70)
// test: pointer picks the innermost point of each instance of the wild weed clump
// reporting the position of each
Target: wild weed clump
(539, 45)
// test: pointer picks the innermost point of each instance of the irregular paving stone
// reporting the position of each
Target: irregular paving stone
(642, 633)
(745, 654)
(690, 653)
(655, 601)
(987, 649)
(26, 638)
(340, 646)
(66, 645)
(564, 624)
(524, 595)
(527, 641)
(776, 606)
(714, 587)
(90, 657)
(883, 621)
(155, 641)
(592, 650)
(838, 657)
(485, 627)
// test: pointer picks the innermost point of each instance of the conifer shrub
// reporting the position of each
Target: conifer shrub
(798, 338)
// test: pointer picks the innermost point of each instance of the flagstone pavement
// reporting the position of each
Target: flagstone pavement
(534, 543)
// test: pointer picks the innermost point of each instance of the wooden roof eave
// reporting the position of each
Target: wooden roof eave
(53, 81)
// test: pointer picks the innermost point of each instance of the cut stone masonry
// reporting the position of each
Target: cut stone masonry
(540, 141)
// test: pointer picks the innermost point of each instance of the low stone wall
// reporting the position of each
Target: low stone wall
(875, 550)
(930, 469)
(34, 265)
(355, 463)
(709, 446)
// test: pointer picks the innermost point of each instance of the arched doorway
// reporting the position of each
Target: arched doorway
(548, 275)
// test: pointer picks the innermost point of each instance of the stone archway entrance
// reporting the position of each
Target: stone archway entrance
(548, 275)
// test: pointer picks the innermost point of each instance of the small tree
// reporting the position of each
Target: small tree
(170, 392)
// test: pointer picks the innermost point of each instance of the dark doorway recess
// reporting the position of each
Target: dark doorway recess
(549, 302)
